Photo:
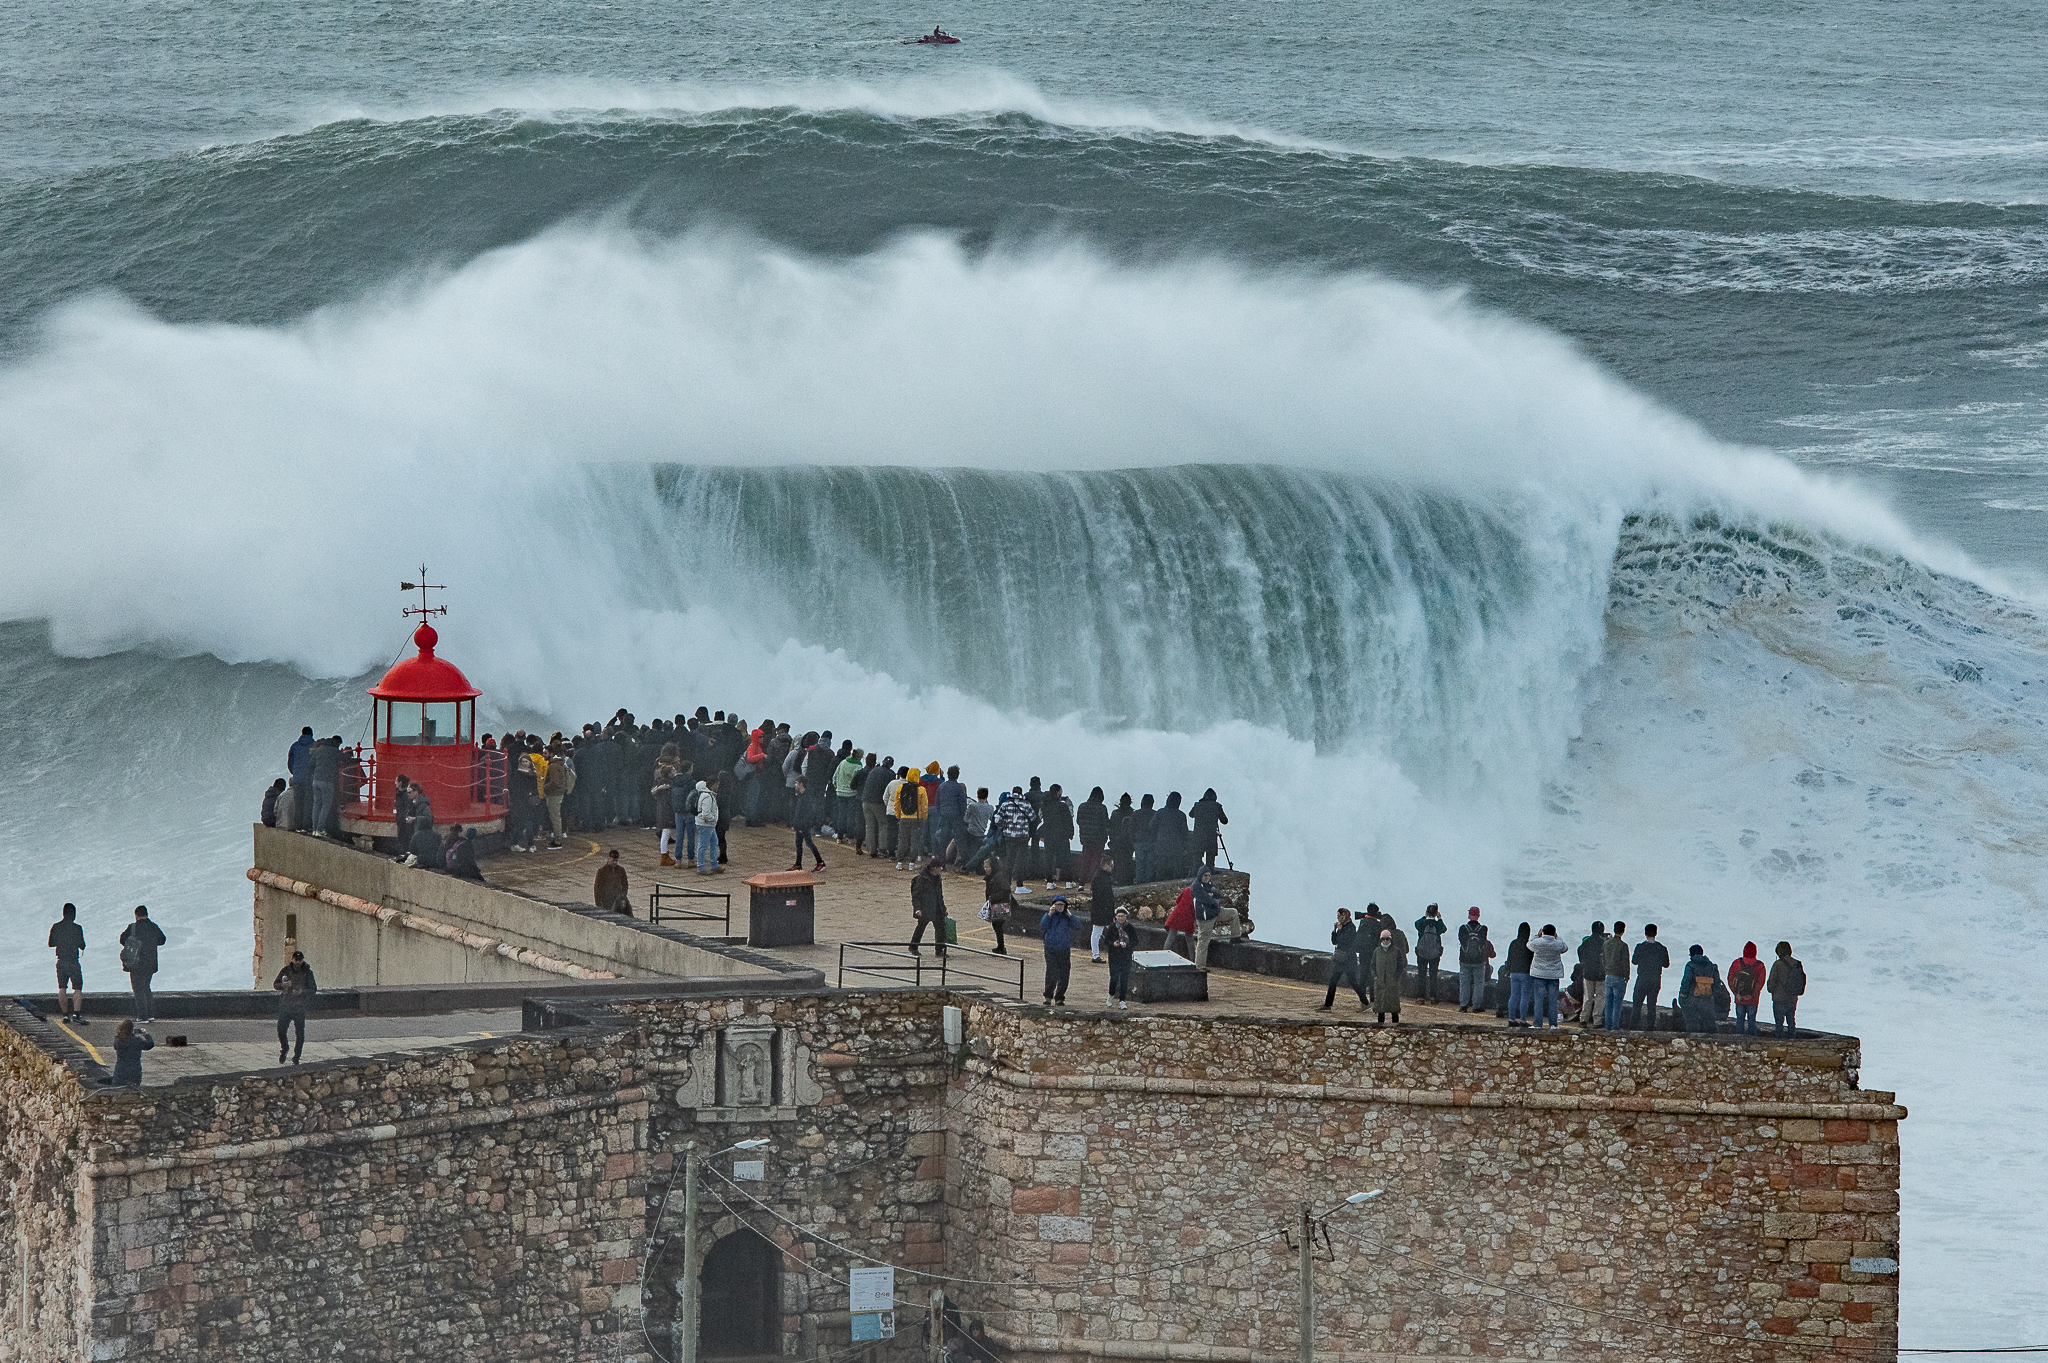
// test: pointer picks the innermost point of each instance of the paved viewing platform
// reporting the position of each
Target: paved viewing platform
(860, 899)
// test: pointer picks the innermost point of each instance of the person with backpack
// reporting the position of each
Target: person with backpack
(1344, 963)
(295, 988)
(1614, 962)
(1696, 986)
(1429, 950)
(1746, 979)
(139, 941)
(1786, 983)
(1650, 960)
(911, 811)
(1474, 951)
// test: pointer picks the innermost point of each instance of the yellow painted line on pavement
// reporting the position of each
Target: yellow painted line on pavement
(90, 1049)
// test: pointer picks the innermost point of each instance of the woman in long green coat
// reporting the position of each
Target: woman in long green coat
(1386, 978)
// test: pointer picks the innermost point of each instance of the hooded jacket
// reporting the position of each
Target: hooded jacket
(1547, 952)
(706, 807)
(845, 775)
(1698, 968)
(1747, 976)
(1206, 815)
(1520, 958)
(1182, 916)
(1013, 816)
(1091, 821)
(1056, 929)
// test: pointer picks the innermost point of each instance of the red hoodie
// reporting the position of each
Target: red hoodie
(1746, 977)
(1182, 919)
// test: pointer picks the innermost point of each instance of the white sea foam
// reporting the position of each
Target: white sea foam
(254, 493)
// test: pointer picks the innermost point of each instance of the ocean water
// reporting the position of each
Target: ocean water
(1585, 461)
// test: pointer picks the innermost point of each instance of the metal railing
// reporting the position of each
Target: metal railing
(889, 961)
(661, 905)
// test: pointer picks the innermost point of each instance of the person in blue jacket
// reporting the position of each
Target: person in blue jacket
(1696, 992)
(1056, 933)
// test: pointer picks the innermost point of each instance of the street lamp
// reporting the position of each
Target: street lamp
(1309, 1220)
(692, 1288)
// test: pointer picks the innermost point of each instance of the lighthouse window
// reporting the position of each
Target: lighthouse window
(432, 721)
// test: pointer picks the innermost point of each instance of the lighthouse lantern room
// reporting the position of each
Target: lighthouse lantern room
(423, 728)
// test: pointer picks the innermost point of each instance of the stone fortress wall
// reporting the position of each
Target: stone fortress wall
(1095, 1179)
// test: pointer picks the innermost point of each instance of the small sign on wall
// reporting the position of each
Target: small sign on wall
(749, 1170)
(871, 1291)
(873, 1325)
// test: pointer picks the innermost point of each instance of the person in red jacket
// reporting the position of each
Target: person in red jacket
(1182, 921)
(1746, 978)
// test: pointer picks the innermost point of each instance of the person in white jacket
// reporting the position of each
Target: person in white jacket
(707, 830)
(1546, 969)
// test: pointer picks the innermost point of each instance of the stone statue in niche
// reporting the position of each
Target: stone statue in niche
(755, 1068)
(752, 1064)
(748, 1078)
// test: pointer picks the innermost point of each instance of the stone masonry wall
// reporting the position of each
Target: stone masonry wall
(1092, 1186)
(1626, 1196)
(41, 1208)
(480, 1202)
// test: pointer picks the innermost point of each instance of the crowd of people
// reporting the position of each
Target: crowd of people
(690, 777)
(1543, 978)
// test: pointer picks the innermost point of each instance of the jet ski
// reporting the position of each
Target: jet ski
(938, 38)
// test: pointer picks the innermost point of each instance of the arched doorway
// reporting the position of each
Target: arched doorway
(741, 1304)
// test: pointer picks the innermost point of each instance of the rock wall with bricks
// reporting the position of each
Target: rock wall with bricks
(1633, 1196)
(1093, 1187)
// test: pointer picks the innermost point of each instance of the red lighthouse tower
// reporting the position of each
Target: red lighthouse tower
(423, 727)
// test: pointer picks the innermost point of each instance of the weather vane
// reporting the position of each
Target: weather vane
(423, 587)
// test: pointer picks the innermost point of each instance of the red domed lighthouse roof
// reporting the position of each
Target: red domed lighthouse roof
(425, 677)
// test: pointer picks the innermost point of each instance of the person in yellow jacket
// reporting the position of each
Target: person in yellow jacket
(912, 804)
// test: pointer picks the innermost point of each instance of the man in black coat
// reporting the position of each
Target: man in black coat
(928, 903)
(1344, 961)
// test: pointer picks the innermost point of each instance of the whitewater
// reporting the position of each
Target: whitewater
(1497, 503)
